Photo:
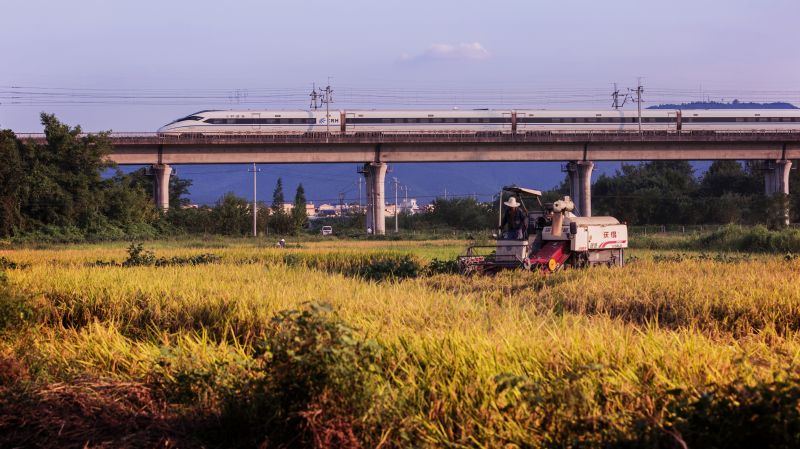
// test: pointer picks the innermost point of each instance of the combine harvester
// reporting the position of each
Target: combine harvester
(555, 238)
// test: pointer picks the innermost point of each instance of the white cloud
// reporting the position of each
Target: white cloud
(464, 51)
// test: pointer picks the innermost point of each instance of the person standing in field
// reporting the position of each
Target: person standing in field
(515, 222)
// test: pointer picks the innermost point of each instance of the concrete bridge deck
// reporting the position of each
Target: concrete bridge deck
(149, 148)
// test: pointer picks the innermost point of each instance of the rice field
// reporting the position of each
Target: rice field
(296, 348)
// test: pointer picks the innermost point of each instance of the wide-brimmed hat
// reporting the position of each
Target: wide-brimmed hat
(512, 202)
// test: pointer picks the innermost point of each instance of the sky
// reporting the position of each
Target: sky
(136, 65)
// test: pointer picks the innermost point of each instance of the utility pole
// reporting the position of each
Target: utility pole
(314, 97)
(615, 98)
(327, 99)
(639, 91)
(255, 204)
(396, 208)
(359, 194)
(445, 193)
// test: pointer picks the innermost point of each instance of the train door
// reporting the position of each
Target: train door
(255, 121)
(672, 121)
(518, 125)
(350, 119)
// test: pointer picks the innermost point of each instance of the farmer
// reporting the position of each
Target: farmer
(515, 223)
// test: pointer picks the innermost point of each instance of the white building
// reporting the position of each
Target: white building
(409, 206)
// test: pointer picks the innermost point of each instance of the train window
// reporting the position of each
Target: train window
(774, 119)
(484, 120)
(411, 120)
(424, 120)
(386, 120)
(555, 120)
(739, 119)
(591, 120)
(449, 120)
(436, 120)
(474, 120)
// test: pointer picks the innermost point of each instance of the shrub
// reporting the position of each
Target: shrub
(315, 385)
(15, 308)
(138, 256)
(754, 239)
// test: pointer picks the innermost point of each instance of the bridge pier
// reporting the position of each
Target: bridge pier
(375, 176)
(161, 174)
(580, 186)
(776, 181)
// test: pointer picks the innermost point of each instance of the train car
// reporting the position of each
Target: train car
(219, 122)
(581, 121)
(213, 122)
(753, 120)
(427, 121)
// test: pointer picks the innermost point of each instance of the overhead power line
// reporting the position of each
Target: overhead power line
(356, 96)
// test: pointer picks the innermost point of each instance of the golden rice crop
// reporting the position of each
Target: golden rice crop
(621, 337)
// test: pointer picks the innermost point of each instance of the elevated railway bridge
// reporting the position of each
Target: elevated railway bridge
(377, 149)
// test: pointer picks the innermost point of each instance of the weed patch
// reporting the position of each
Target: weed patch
(138, 256)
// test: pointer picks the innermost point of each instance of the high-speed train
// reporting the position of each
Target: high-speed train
(215, 122)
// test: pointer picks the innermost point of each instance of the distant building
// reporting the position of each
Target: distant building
(409, 206)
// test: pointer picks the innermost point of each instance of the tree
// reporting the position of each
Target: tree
(178, 191)
(277, 197)
(651, 192)
(232, 215)
(299, 214)
(279, 221)
(12, 178)
(462, 213)
(729, 177)
(61, 183)
(178, 187)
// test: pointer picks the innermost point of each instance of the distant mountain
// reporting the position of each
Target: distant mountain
(735, 104)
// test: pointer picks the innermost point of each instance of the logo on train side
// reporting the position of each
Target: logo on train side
(322, 121)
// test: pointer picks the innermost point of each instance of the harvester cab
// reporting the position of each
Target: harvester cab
(545, 236)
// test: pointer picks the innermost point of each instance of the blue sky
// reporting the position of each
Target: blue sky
(384, 54)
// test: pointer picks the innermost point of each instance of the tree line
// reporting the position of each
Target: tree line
(66, 189)
(656, 192)
(669, 192)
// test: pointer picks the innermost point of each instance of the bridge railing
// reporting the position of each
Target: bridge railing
(442, 136)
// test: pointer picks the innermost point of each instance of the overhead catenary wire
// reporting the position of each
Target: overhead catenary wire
(360, 96)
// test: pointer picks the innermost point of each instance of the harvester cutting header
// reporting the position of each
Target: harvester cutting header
(546, 237)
